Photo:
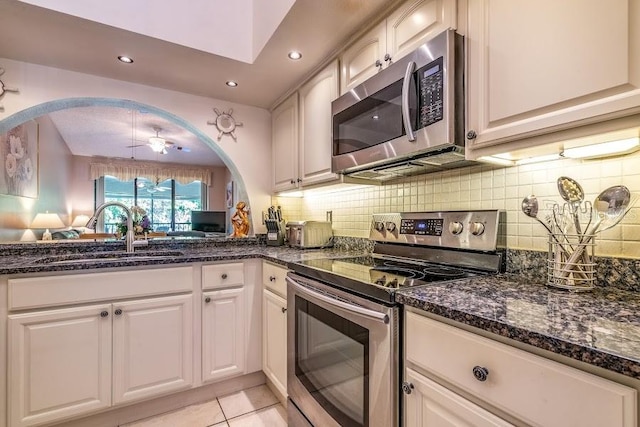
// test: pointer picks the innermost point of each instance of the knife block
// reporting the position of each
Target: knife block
(275, 232)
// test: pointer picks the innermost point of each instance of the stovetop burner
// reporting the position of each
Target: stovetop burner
(417, 248)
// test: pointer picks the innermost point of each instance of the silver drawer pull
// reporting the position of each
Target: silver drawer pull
(481, 373)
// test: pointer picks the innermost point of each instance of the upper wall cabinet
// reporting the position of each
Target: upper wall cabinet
(545, 66)
(403, 31)
(284, 140)
(301, 128)
(315, 125)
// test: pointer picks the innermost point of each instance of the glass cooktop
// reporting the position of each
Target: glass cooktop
(377, 277)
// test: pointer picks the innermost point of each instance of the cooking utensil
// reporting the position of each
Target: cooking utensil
(572, 193)
(610, 206)
(530, 209)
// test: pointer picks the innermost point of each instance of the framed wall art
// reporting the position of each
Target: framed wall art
(20, 163)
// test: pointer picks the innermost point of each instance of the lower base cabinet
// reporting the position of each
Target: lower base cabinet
(431, 405)
(223, 334)
(274, 341)
(60, 361)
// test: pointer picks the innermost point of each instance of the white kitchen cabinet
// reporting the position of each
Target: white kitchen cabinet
(431, 405)
(274, 340)
(274, 326)
(152, 347)
(284, 140)
(535, 68)
(494, 373)
(59, 364)
(223, 334)
(315, 126)
(413, 23)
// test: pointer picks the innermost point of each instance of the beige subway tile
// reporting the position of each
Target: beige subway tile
(631, 249)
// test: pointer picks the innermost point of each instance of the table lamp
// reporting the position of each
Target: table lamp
(47, 220)
(80, 222)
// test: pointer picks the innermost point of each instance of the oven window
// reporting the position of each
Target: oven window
(373, 120)
(332, 362)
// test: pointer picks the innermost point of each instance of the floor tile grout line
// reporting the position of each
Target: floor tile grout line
(251, 412)
(221, 409)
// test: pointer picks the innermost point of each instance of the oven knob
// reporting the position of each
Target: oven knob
(391, 226)
(379, 226)
(456, 227)
(477, 228)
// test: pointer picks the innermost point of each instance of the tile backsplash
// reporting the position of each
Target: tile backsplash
(482, 187)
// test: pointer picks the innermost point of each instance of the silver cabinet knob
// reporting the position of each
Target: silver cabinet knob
(378, 63)
(207, 300)
(224, 276)
(284, 309)
(118, 312)
(456, 227)
(472, 135)
(387, 57)
(407, 387)
(390, 226)
(477, 228)
(104, 313)
(272, 278)
(481, 373)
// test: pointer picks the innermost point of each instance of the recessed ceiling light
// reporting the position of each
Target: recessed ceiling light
(125, 59)
(295, 55)
(231, 83)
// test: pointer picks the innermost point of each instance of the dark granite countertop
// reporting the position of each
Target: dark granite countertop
(600, 327)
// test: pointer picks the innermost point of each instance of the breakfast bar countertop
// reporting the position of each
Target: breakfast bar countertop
(600, 327)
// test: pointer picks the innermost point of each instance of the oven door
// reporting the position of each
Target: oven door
(342, 356)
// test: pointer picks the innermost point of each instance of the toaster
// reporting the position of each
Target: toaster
(309, 234)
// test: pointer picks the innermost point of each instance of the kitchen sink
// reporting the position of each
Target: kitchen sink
(102, 257)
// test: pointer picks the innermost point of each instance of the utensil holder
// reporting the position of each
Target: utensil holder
(570, 263)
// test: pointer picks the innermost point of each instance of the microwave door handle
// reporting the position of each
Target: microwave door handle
(406, 117)
(365, 312)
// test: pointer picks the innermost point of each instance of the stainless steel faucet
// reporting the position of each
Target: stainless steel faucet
(130, 234)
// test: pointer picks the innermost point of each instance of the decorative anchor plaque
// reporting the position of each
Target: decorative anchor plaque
(225, 123)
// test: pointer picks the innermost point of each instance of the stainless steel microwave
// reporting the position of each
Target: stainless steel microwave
(407, 119)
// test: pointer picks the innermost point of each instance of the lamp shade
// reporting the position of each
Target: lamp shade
(80, 221)
(47, 220)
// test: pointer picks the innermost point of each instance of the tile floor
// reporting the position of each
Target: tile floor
(255, 407)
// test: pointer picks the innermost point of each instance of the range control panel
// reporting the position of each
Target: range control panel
(481, 230)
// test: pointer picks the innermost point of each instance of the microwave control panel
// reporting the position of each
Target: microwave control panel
(431, 84)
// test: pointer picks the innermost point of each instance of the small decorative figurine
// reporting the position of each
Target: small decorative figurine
(240, 220)
(225, 123)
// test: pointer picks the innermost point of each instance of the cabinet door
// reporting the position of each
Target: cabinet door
(431, 405)
(152, 347)
(539, 67)
(358, 62)
(223, 334)
(284, 139)
(274, 340)
(315, 125)
(59, 364)
(416, 22)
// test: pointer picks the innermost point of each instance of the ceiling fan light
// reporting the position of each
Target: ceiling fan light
(157, 144)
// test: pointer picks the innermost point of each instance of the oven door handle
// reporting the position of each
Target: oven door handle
(352, 308)
(406, 85)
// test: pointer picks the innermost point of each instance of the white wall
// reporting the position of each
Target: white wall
(250, 156)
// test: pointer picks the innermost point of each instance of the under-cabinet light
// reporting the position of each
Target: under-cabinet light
(603, 149)
(496, 160)
(538, 159)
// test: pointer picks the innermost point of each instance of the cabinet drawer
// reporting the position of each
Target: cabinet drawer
(273, 278)
(536, 390)
(49, 291)
(222, 275)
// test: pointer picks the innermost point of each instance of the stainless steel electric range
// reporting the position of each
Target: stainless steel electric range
(344, 326)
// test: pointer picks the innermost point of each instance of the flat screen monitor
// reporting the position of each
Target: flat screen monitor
(209, 221)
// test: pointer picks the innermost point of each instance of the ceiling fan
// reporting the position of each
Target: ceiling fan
(152, 187)
(160, 145)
